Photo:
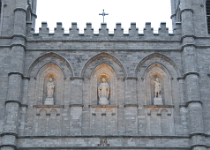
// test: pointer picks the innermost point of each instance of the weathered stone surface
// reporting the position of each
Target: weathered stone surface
(130, 63)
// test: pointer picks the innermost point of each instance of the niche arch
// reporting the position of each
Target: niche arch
(49, 70)
(103, 70)
(150, 67)
(154, 71)
(103, 58)
(50, 57)
(159, 58)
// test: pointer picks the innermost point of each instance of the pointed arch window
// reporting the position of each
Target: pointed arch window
(208, 14)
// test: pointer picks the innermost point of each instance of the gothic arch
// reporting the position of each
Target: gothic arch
(95, 61)
(148, 70)
(156, 58)
(50, 57)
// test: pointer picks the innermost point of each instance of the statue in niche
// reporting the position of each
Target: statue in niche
(157, 98)
(50, 91)
(103, 92)
(157, 88)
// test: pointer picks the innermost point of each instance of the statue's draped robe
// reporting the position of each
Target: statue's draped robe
(50, 89)
(103, 90)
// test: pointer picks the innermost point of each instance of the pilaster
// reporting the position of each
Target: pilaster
(191, 75)
(14, 96)
(76, 106)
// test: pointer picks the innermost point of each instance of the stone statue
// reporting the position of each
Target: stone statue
(157, 98)
(50, 91)
(157, 88)
(103, 92)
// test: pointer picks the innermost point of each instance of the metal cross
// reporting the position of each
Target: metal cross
(103, 14)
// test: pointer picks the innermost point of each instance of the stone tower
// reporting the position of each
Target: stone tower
(104, 91)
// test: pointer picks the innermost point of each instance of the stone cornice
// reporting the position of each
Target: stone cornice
(188, 73)
(48, 106)
(183, 10)
(9, 133)
(187, 103)
(193, 101)
(15, 73)
(19, 35)
(19, 9)
(158, 106)
(103, 106)
(131, 105)
(76, 105)
(185, 36)
(13, 101)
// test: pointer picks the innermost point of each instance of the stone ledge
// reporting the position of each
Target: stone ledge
(76, 105)
(48, 106)
(131, 105)
(103, 106)
(105, 142)
(187, 103)
(158, 106)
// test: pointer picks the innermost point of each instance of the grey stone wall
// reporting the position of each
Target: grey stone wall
(131, 120)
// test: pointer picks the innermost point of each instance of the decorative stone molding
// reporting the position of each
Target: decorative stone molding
(48, 109)
(76, 105)
(103, 142)
(104, 106)
(131, 105)
(159, 109)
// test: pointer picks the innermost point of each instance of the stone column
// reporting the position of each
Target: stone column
(13, 102)
(193, 101)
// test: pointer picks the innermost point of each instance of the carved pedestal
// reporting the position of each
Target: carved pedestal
(49, 101)
(103, 101)
(158, 101)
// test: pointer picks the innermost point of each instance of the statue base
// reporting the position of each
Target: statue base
(103, 101)
(49, 101)
(158, 101)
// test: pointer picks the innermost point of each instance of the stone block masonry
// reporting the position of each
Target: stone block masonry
(77, 65)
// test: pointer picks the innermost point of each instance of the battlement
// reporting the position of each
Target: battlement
(133, 33)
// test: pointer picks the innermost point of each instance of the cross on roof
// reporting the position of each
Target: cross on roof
(103, 14)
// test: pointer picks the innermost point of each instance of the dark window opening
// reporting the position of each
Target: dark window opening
(208, 14)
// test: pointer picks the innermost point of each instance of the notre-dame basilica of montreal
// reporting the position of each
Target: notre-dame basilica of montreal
(73, 91)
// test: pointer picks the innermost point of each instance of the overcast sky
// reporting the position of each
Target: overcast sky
(120, 11)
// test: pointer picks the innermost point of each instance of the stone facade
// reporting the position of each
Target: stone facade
(130, 63)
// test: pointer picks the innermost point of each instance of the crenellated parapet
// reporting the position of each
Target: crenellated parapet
(104, 34)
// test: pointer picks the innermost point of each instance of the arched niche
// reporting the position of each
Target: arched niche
(156, 58)
(103, 58)
(155, 71)
(103, 71)
(165, 68)
(47, 58)
(50, 70)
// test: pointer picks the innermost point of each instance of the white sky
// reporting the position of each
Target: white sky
(120, 11)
